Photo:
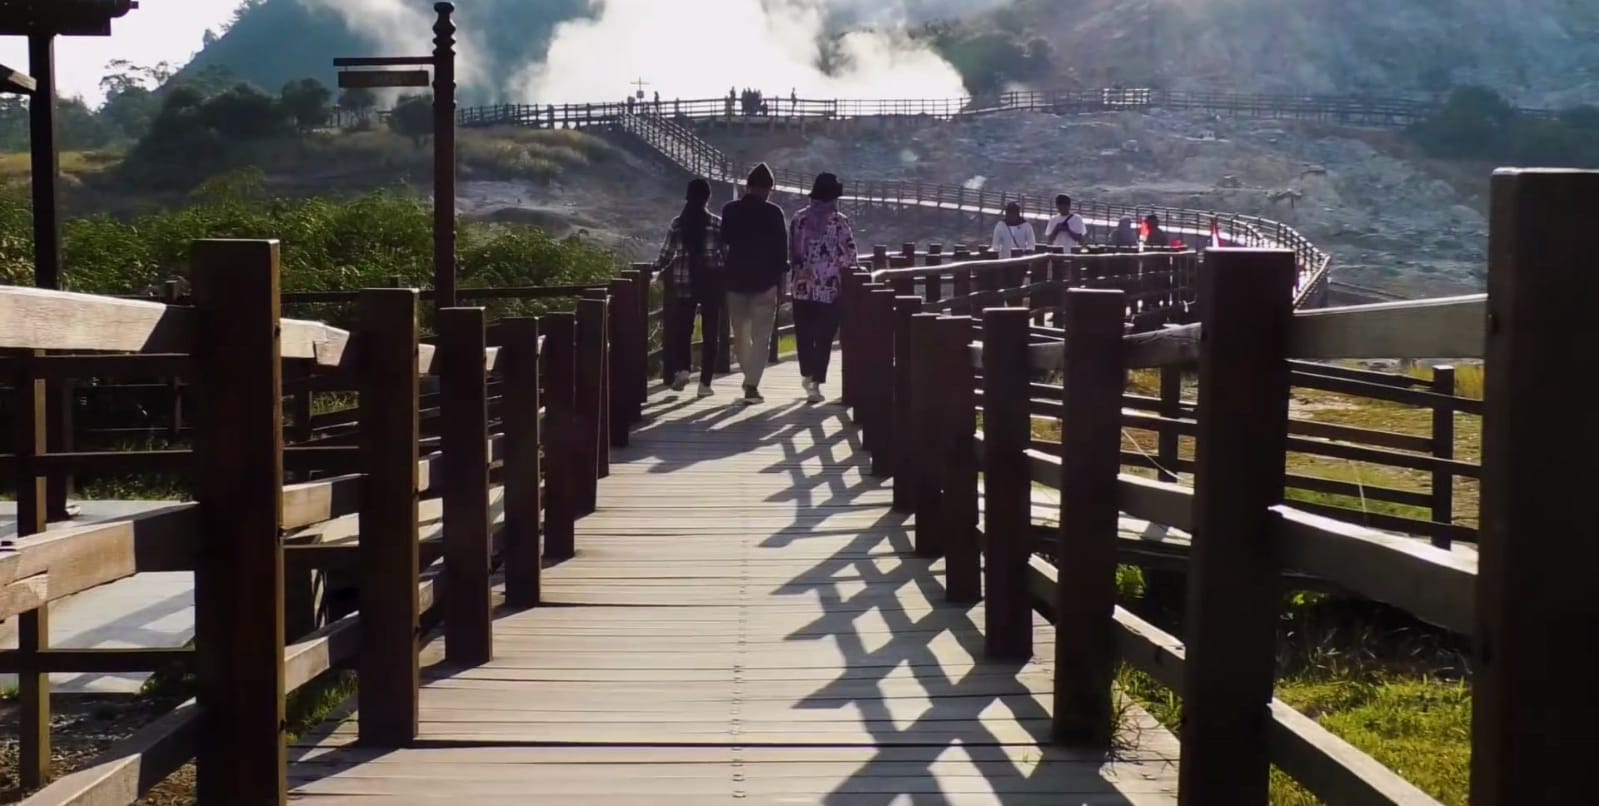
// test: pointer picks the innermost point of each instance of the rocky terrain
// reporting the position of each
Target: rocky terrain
(1392, 220)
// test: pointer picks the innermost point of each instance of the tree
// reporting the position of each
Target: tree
(244, 113)
(413, 117)
(359, 100)
(1473, 122)
(308, 103)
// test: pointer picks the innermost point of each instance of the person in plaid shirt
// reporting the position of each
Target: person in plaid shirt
(692, 260)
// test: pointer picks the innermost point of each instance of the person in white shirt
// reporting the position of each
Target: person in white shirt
(1066, 230)
(1014, 236)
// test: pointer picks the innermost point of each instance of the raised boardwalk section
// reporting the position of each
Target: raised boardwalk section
(744, 622)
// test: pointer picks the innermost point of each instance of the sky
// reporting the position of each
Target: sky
(161, 30)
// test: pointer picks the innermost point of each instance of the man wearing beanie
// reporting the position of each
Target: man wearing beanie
(755, 235)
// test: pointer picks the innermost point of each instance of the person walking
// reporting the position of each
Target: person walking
(1014, 235)
(755, 236)
(821, 248)
(693, 256)
(1067, 229)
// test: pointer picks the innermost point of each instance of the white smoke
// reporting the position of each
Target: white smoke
(399, 28)
(700, 49)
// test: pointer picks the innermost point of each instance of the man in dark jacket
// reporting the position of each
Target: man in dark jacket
(755, 235)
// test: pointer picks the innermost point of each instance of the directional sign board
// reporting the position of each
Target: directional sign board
(374, 79)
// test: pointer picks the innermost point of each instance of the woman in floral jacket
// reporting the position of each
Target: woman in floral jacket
(821, 248)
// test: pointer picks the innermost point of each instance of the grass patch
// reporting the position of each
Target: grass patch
(9, 693)
(17, 167)
(1419, 727)
(314, 702)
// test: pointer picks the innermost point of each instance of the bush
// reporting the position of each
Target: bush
(413, 117)
(1477, 123)
(328, 244)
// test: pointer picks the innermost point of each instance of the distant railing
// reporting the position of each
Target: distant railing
(1351, 109)
(684, 147)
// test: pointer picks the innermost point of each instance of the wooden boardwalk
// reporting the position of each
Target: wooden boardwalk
(744, 623)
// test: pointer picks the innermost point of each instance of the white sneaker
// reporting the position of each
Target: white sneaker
(680, 381)
(706, 390)
(814, 393)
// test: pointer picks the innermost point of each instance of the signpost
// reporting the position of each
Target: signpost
(369, 73)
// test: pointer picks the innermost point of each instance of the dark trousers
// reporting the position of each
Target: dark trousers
(680, 341)
(815, 327)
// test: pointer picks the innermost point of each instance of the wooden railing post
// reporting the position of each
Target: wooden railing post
(562, 465)
(641, 341)
(617, 383)
(1007, 491)
(963, 564)
(1168, 451)
(1443, 447)
(591, 316)
(905, 436)
(602, 393)
(1233, 574)
(30, 441)
(1536, 613)
(850, 332)
(879, 379)
(519, 369)
(390, 559)
(463, 387)
(927, 423)
(1090, 449)
(238, 580)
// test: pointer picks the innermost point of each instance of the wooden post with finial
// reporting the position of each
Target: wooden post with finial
(444, 157)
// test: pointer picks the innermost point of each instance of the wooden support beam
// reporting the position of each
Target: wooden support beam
(963, 576)
(238, 580)
(523, 555)
(468, 606)
(927, 422)
(905, 436)
(390, 562)
(1085, 598)
(1536, 613)
(561, 465)
(1246, 300)
(588, 407)
(1007, 485)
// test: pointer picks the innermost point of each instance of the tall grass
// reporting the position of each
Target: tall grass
(327, 243)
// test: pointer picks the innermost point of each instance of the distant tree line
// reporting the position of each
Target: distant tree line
(1478, 123)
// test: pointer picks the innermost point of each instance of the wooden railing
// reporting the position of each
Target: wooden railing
(686, 149)
(565, 385)
(1352, 109)
(916, 382)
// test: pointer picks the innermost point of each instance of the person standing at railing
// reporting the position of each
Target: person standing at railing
(755, 234)
(1067, 229)
(1014, 235)
(1125, 237)
(693, 255)
(821, 248)
(1154, 236)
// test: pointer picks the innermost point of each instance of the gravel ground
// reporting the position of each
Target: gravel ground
(82, 728)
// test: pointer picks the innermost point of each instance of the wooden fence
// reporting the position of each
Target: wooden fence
(917, 380)
(565, 385)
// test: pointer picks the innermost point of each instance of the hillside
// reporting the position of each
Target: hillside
(275, 41)
(1538, 52)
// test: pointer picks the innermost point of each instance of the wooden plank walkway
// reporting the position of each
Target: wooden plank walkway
(744, 623)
